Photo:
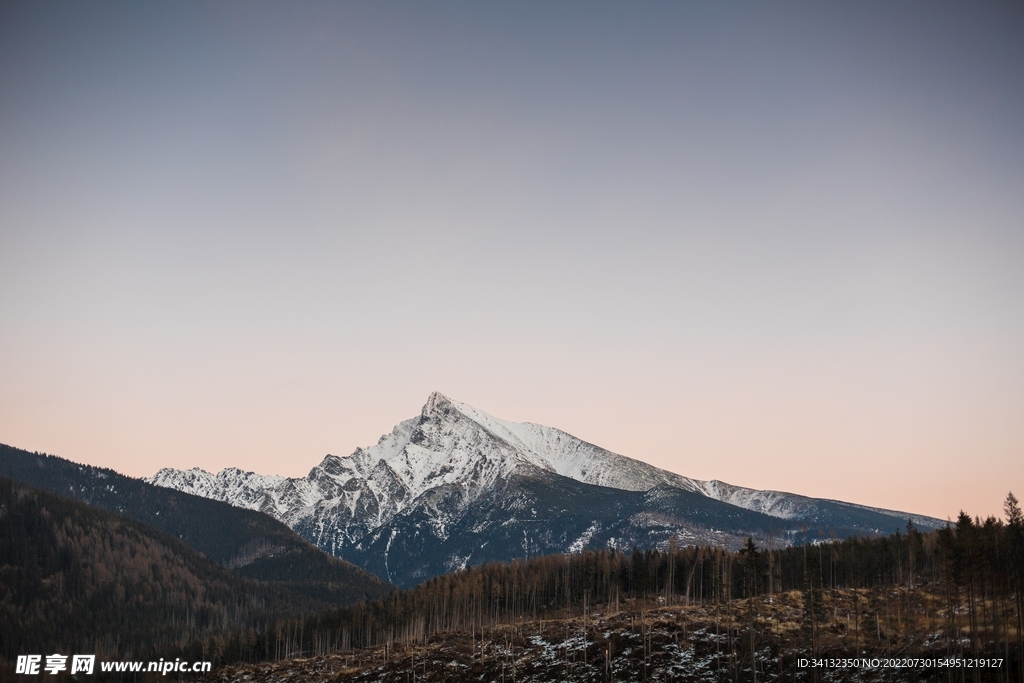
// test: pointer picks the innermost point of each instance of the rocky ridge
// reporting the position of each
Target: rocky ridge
(455, 485)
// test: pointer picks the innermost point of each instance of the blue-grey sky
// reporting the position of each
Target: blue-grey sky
(776, 244)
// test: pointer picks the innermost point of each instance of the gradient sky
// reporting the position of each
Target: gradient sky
(777, 244)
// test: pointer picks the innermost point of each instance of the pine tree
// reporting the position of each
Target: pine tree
(1011, 507)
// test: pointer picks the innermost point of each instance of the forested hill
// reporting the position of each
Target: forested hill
(249, 542)
(74, 578)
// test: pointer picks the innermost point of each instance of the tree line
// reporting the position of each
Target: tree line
(963, 580)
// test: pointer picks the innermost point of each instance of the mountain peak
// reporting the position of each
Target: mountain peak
(447, 481)
(437, 402)
(436, 397)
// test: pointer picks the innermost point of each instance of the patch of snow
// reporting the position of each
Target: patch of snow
(580, 543)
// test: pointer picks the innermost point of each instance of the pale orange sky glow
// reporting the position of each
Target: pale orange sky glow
(781, 247)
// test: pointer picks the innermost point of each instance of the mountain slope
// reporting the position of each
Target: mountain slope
(74, 578)
(457, 485)
(247, 541)
(542, 514)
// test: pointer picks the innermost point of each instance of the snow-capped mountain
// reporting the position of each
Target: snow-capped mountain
(456, 485)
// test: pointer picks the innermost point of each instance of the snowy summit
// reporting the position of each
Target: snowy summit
(430, 495)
